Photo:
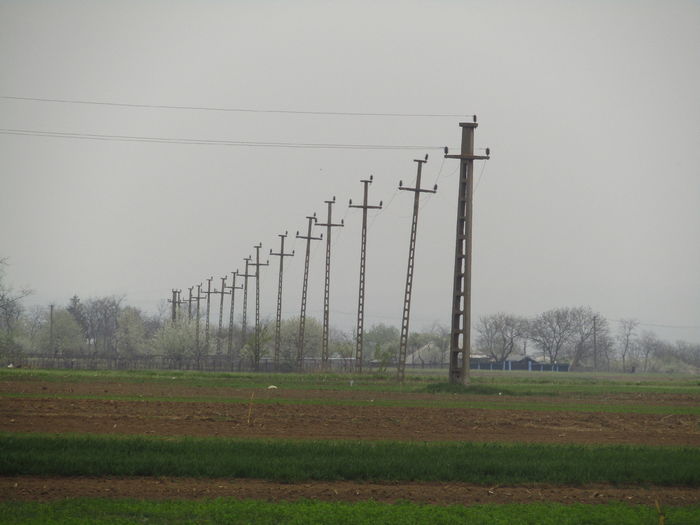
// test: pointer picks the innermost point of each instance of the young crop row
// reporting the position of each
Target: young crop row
(279, 399)
(225, 511)
(84, 455)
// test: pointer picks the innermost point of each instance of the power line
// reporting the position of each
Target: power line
(658, 325)
(207, 142)
(235, 110)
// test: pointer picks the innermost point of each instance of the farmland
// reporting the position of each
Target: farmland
(540, 443)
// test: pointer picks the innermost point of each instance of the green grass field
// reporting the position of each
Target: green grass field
(228, 511)
(295, 461)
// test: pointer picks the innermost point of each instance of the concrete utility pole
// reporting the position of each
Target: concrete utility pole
(460, 344)
(174, 302)
(363, 258)
(403, 342)
(180, 302)
(244, 322)
(197, 324)
(304, 289)
(327, 282)
(221, 292)
(233, 289)
(206, 322)
(278, 320)
(257, 264)
(189, 304)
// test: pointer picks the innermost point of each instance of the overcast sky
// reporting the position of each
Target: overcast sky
(591, 110)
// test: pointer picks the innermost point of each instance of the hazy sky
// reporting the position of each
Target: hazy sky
(591, 110)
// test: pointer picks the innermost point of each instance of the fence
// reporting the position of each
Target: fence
(222, 363)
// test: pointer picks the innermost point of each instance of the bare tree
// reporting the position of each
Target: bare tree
(552, 331)
(627, 340)
(10, 309)
(102, 322)
(498, 334)
(584, 324)
(649, 345)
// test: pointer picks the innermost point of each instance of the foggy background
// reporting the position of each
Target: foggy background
(591, 111)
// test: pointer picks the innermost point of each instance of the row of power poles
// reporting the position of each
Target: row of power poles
(461, 295)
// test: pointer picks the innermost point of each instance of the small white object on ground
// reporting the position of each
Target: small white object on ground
(272, 387)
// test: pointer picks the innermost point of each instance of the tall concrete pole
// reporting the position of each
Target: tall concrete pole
(304, 290)
(403, 341)
(327, 281)
(460, 345)
(278, 320)
(359, 344)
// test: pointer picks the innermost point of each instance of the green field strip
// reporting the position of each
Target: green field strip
(285, 461)
(532, 383)
(531, 406)
(226, 511)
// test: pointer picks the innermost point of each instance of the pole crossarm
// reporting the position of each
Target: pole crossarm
(304, 290)
(460, 334)
(405, 316)
(329, 225)
(359, 344)
(278, 319)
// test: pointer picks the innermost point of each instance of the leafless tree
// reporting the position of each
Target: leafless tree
(498, 334)
(583, 321)
(627, 341)
(10, 308)
(552, 331)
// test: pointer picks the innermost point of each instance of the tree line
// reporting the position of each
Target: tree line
(108, 327)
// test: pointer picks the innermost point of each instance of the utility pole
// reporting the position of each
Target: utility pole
(51, 345)
(244, 323)
(206, 321)
(403, 342)
(173, 301)
(302, 314)
(363, 259)
(221, 292)
(278, 324)
(233, 289)
(327, 282)
(257, 264)
(180, 302)
(197, 324)
(189, 304)
(460, 344)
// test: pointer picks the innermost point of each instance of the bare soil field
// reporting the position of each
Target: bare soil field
(45, 489)
(331, 419)
(319, 421)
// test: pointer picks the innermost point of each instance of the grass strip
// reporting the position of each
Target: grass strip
(225, 511)
(278, 399)
(515, 383)
(281, 460)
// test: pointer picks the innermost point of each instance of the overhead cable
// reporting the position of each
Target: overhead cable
(209, 142)
(235, 110)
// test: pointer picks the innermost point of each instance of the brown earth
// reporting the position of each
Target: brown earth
(164, 390)
(44, 489)
(309, 421)
(327, 421)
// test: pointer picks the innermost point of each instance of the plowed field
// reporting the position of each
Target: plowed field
(57, 407)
